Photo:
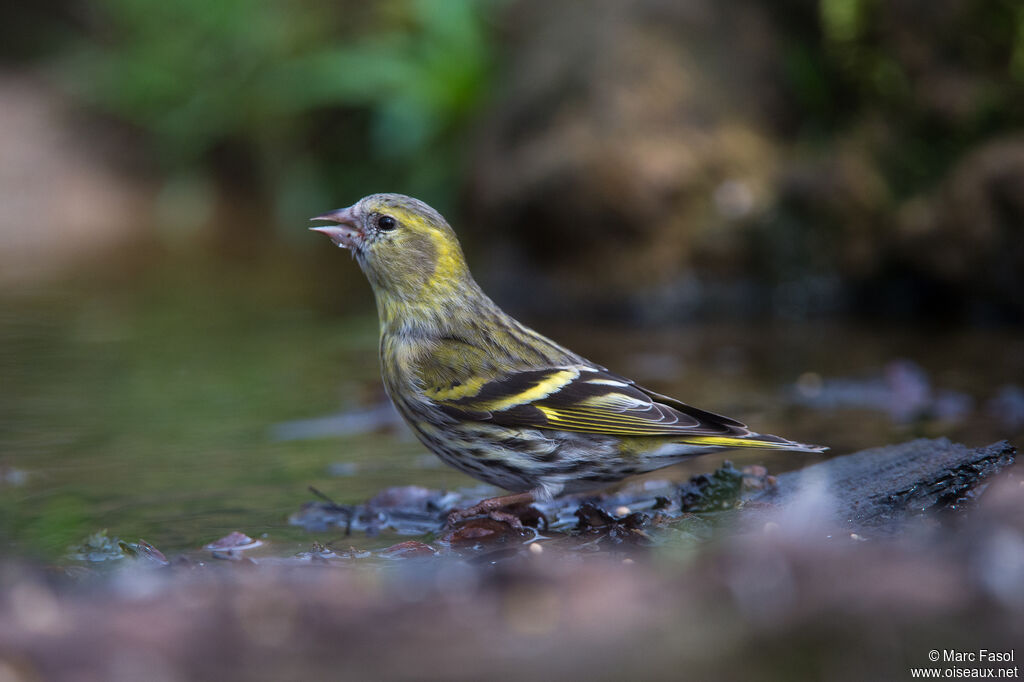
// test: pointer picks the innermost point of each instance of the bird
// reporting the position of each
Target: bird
(491, 396)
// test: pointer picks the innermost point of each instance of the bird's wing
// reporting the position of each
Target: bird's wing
(580, 398)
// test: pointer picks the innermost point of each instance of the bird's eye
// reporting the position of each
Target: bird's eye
(386, 223)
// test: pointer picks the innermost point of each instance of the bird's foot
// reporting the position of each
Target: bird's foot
(504, 509)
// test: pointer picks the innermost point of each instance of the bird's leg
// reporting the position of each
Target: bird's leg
(494, 507)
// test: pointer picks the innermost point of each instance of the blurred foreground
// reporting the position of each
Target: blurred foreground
(788, 593)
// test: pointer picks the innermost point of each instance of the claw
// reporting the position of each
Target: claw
(493, 508)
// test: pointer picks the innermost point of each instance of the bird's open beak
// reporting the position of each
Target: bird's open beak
(345, 234)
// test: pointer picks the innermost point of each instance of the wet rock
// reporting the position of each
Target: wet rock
(480, 532)
(881, 489)
(144, 551)
(410, 510)
(317, 553)
(355, 421)
(410, 549)
(1008, 406)
(617, 529)
(902, 389)
(235, 540)
(406, 497)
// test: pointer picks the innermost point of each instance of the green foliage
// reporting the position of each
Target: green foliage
(385, 86)
(843, 21)
(882, 48)
(932, 81)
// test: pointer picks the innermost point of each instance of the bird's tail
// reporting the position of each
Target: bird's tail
(754, 440)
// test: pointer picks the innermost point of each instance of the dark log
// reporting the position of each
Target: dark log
(882, 487)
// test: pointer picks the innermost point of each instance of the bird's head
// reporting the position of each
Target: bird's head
(407, 249)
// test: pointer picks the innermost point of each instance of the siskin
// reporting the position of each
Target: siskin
(492, 397)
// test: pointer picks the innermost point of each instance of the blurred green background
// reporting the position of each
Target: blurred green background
(718, 196)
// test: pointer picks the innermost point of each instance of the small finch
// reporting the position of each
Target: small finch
(492, 397)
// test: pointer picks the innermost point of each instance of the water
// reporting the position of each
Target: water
(177, 411)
